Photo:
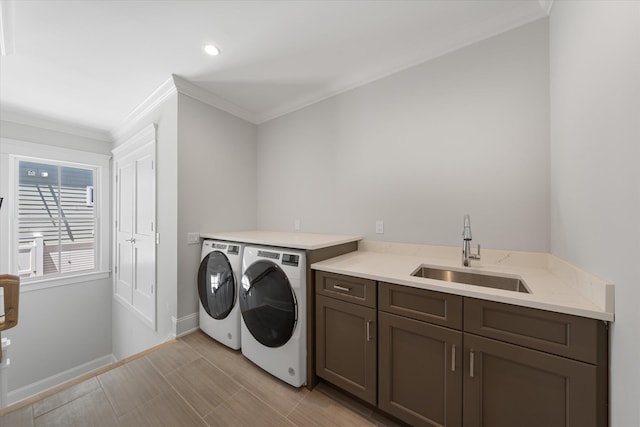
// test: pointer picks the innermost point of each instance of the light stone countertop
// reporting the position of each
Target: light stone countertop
(283, 239)
(555, 285)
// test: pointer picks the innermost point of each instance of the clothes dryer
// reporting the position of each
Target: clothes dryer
(273, 307)
(218, 288)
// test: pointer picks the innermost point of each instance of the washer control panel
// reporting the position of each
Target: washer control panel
(287, 259)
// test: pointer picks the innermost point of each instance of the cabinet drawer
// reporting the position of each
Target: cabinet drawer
(421, 304)
(347, 288)
(562, 334)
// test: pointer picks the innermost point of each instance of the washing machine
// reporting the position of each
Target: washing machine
(219, 286)
(273, 299)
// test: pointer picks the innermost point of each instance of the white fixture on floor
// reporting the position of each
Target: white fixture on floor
(273, 305)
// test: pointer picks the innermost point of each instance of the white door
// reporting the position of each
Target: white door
(124, 229)
(135, 257)
(144, 245)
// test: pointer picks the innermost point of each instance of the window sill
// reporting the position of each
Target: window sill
(52, 282)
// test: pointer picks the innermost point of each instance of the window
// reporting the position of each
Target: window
(55, 214)
(56, 221)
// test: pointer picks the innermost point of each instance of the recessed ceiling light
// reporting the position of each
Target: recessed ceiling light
(211, 50)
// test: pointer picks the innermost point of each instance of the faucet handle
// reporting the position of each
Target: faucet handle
(476, 255)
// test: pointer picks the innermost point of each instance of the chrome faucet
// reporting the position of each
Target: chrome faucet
(467, 256)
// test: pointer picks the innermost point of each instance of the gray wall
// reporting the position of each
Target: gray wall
(595, 172)
(464, 133)
(59, 329)
(216, 184)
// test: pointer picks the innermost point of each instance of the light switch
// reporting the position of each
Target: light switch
(193, 238)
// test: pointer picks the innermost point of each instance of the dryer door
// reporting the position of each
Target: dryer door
(216, 285)
(268, 304)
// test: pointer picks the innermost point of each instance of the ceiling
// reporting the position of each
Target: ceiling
(91, 63)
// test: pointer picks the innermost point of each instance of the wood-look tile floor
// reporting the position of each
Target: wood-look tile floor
(193, 382)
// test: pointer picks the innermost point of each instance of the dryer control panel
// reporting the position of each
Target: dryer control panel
(290, 259)
(270, 255)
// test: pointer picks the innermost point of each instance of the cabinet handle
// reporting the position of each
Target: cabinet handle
(369, 337)
(471, 357)
(342, 288)
(453, 358)
(133, 240)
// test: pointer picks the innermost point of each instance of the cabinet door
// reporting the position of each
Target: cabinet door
(507, 385)
(144, 247)
(135, 234)
(420, 371)
(346, 346)
(125, 174)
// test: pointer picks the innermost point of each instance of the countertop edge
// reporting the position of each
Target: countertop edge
(472, 292)
(283, 240)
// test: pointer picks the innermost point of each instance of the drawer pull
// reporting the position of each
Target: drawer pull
(453, 358)
(369, 337)
(342, 288)
(471, 357)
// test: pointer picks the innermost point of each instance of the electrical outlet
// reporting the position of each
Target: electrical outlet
(379, 226)
(296, 225)
(193, 238)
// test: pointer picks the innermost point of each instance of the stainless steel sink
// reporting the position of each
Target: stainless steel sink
(477, 279)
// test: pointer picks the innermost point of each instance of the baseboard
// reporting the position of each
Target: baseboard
(58, 379)
(186, 324)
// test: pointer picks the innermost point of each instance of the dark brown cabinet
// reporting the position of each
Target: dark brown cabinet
(346, 335)
(420, 355)
(447, 360)
(419, 371)
(533, 367)
(506, 385)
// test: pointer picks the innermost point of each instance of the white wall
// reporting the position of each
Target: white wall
(463, 133)
(59, 329)
(216, 184)
(40, 135)
(62, 331)
(595, 167)
(130, 335)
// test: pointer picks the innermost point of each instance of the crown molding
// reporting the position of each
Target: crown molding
(185, 87)
(27, 118)
(172, 85)
(136, 141)
(7, 45)
(336, 88)
(150, 104)
(181, 85)
(546, 5)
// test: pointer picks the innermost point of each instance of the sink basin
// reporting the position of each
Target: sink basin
(477, 279)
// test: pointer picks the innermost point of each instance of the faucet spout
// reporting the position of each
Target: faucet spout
(467, 255)
(466, 230)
